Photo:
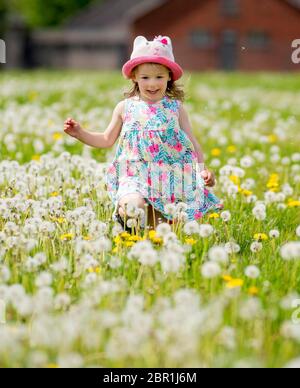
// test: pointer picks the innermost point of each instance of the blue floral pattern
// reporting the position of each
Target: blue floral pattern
(157, 159)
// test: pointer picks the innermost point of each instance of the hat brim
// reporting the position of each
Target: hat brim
(173, 66)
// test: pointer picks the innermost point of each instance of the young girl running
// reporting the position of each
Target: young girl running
(158, 161)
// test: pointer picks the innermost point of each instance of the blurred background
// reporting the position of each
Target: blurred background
(228, 35)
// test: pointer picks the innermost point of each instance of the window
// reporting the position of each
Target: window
(230, 7)
(258, 39)
(228, 49)
(201, 38)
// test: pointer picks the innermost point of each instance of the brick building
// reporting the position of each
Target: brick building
(241, 35)
(245, 35)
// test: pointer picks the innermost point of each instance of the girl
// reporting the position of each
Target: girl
(158, 161)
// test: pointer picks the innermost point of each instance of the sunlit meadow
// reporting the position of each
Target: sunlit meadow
(78, 291)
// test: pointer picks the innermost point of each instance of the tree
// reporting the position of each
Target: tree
(43, 13)
(3, 9)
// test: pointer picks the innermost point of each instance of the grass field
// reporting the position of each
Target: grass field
(77, 291)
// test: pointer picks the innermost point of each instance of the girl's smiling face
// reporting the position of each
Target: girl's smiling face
(152, 80)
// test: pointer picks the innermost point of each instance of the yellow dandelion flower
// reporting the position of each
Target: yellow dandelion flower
(272, 138)
(134, 238)
(115, 250)
(294, 204)
(153, 237)
(273, 183)
(235, 179)
(235, 283)
(274, 180)
(67, 236)
(94, 270)
(52, 366)
(36, 158)
(57, 136)
(190, 241)
(152, 233)
(214, 215)
(231, 149)
(261, 237)
(117, 240)
(125, 235)
(54, 194)
(87, 238)
(156, 240)
(216, 152)
(129, 244)
(253, 291)
(246, 193)
(227, 278)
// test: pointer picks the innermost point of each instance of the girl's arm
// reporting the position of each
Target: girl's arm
(185, 124)
(95, 139)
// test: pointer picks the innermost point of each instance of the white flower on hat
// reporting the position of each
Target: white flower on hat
(163, 39)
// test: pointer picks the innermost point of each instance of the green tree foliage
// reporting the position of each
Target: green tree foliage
(43, 13)
(3, 9)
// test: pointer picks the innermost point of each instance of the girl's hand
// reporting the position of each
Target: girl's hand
(72, 128)
(209, 178)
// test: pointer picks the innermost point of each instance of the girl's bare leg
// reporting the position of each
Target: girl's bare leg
(130, 198)
(154, 217)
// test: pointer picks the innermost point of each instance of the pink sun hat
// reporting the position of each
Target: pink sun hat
(157, 51)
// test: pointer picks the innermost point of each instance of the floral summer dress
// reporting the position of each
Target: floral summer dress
(156, 158)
